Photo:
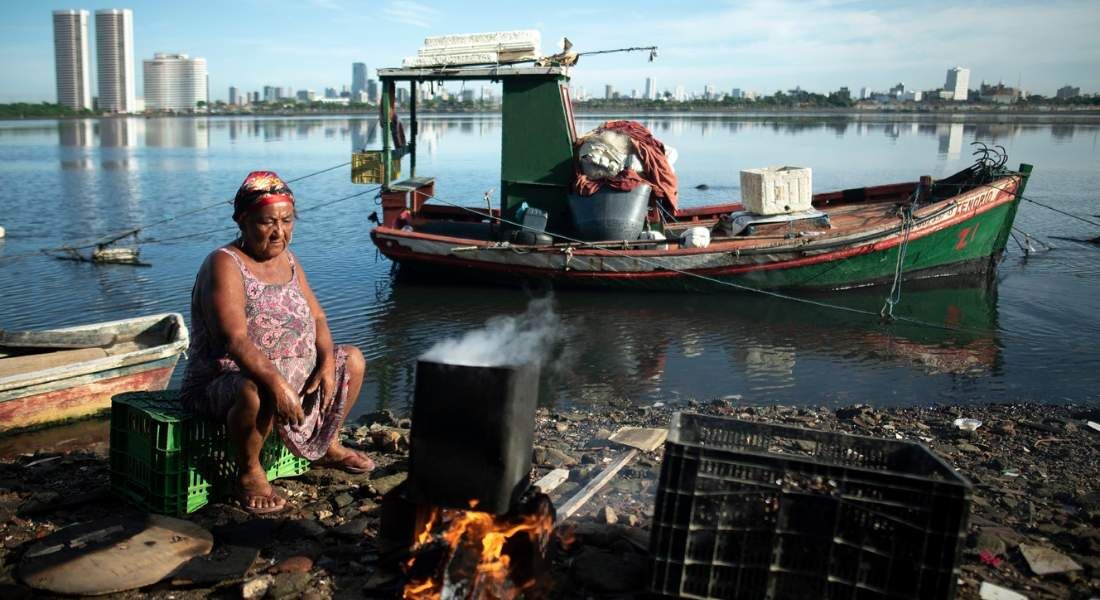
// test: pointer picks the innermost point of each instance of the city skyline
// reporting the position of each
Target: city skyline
(761, 46)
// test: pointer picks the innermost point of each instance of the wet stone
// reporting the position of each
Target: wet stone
(288, 585)
(294, 564)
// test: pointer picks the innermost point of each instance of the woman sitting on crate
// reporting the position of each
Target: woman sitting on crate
(261, 357)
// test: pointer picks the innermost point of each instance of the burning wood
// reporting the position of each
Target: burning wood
(473, 554)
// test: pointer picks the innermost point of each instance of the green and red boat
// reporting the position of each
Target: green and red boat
(920, 229)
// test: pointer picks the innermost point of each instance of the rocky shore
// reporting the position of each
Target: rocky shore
(1034, 524)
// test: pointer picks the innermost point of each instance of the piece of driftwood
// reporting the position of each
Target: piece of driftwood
(123, 552)
(597, 483)
(56, 339)
(636, 439)
(552, 480)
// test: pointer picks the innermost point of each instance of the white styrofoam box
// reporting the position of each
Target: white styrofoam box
(696, 237)
(777, 190)
(528, 37)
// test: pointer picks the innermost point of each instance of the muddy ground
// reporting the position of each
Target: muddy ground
(1034, 470)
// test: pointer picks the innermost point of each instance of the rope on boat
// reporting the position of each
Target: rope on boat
(894, 297)
(1022, 197)
(738, 286)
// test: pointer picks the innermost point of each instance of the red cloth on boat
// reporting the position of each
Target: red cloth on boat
(658, 173)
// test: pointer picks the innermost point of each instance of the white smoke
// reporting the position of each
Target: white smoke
(505, 340)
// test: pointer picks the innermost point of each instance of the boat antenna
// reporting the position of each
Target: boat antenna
(652, 51)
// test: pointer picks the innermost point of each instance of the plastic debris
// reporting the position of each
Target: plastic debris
(967, 424)
(1045, 561)
(1093, 425)
(988, 591)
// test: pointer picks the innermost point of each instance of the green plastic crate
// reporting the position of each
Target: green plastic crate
(168, 461)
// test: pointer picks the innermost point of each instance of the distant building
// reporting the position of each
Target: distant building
(680, 94)
(736, 94)
(1067, 92)
(468, 95)
(306, 95)
(608, 91)
(650, 88)
(710, 92)
(403, 95)
(255, 97)
(911, 96)
(958, 79)
(234, 96)
(71, 64)
(864, 93)
(372, 91)
(358, 79)
(897, 90)
(174, 82)
(271, 93)
(330, 92)
(844, 94)
(999, 94)
(114, 41)
(748, 95)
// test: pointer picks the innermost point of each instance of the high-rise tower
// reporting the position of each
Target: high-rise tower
(71, 65)
(174, 82)
(358, 80)
(958, 80)
(114, 41)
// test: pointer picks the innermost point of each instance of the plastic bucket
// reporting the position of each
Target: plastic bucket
(610, 214)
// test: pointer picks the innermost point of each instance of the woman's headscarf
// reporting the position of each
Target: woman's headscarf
(260, 188)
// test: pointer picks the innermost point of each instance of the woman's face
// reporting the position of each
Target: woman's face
(267, 230)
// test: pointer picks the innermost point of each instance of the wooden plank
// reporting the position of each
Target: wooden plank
(644, 439)
(598, 482)
(112, 555)
(56, 339)
(552, 480)
(36, 362)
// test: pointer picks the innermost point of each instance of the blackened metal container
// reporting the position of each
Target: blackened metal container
(472, 429)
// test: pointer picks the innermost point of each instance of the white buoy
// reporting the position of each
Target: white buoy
(1, 233)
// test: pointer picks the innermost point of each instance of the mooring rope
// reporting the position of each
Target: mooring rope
(107, 239)
(887, 312)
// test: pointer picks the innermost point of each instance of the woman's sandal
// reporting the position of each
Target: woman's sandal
(352, 462)
(244, 501)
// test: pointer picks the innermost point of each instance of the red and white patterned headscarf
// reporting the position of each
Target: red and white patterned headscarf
(260, 188)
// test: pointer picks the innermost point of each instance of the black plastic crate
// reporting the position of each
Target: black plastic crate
(756, 511)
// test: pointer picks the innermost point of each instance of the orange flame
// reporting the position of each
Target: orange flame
(486, 534)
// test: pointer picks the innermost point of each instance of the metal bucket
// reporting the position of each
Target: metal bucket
(610, 214)
(472, 432)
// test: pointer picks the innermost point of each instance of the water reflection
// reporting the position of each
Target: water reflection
(76, 133)
(167, 132)
(951, 139)
(646, 347)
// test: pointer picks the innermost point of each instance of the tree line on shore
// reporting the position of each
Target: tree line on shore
(801, 100)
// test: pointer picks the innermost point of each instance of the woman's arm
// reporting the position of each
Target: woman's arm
(324, 375)
(226, 301)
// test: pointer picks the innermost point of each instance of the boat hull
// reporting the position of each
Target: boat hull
(148, 352)
(965, 236)
(80, 397)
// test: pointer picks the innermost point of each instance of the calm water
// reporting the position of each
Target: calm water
(1031, 336)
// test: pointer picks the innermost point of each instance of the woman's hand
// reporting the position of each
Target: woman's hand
(323, 378)
(288, 406)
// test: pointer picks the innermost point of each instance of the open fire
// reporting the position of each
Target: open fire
(473, 554)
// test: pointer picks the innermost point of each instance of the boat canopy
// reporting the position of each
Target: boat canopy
(537, 137)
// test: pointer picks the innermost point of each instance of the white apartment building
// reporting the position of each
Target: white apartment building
(650, 88)
(174, 82)
(71, 64)
(114, 42)
(958, 80)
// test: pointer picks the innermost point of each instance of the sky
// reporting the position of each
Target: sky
(818, 45)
